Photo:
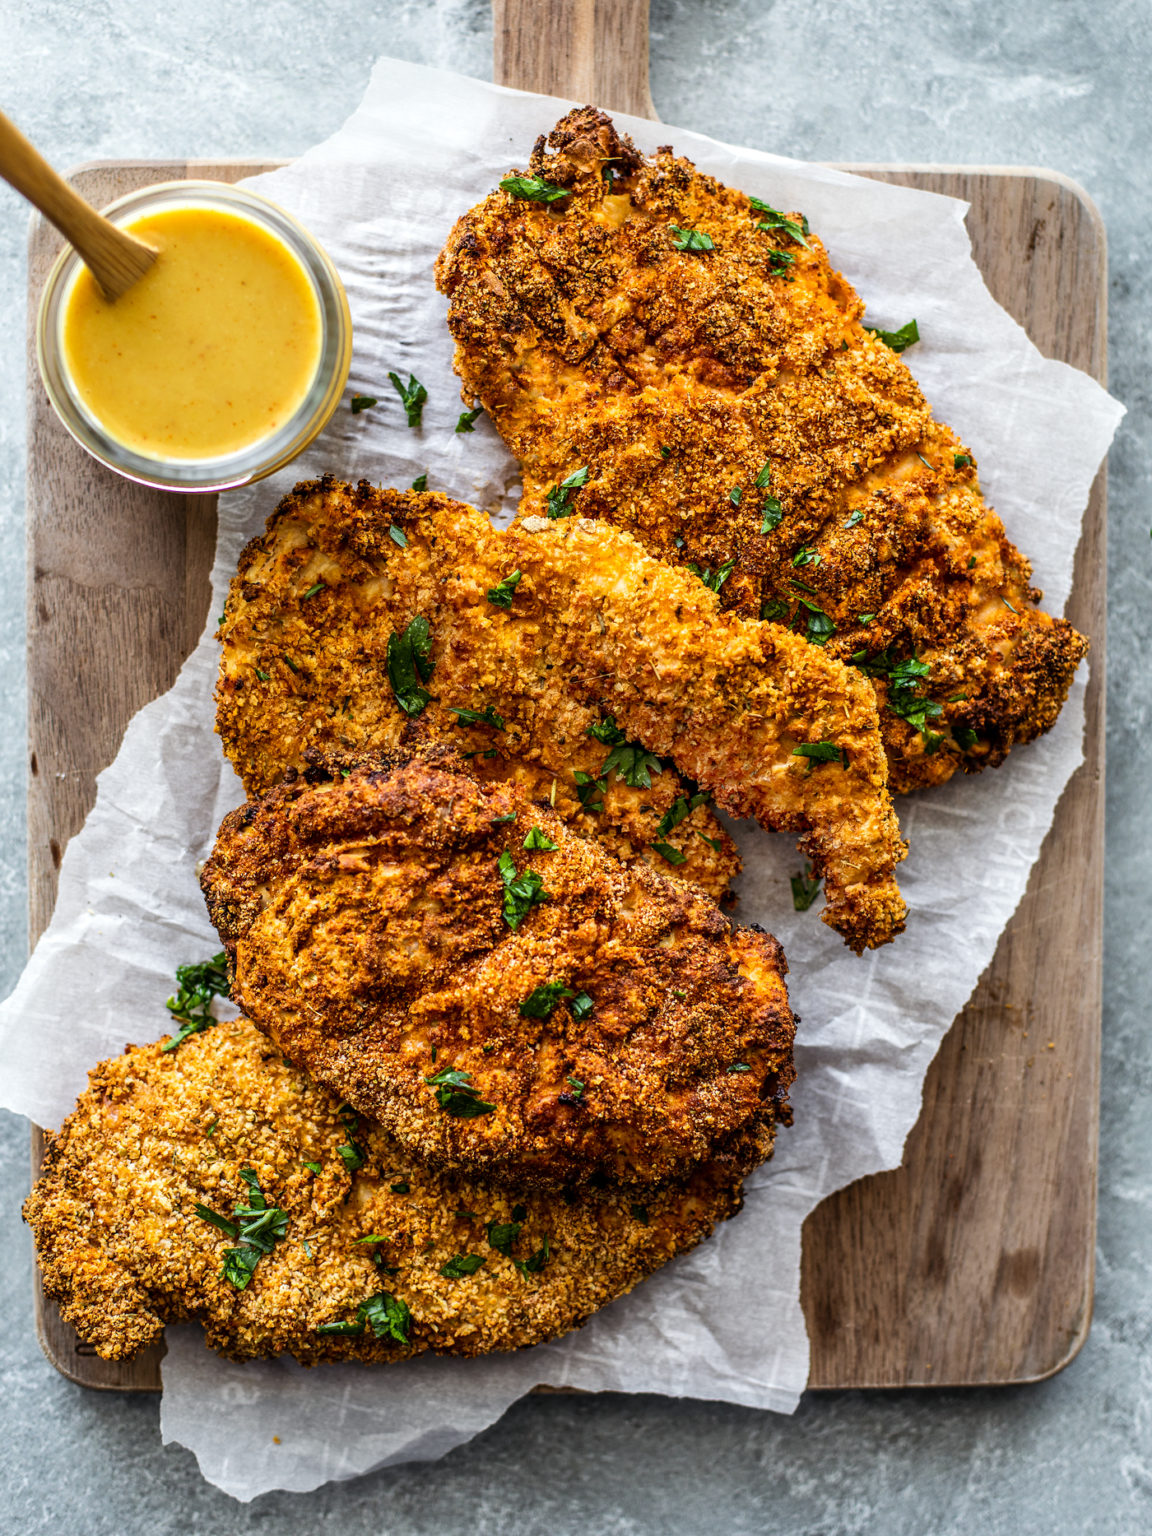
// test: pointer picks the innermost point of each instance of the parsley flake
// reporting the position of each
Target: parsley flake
(485, 716)
(363, 403)
(818, 751)
(560, 496)
(500, 596)
(854, 517)
(691, 239)
(398, 536)
(774, 610)
(456, 1096)
(462, 1264)
(627, 759)
(542, 1002)
(534, 189)
(419, 484)
(580, 1007)
(714, 580)
(197, 985)
(806, 555)
(258, 1228)
(773, 515)
(735, 495)
(961, 460)
(412, 396)
(774, 220)
(537, 839)
(898, 341)
(576, 1086)
(312, 591)
(738, 1066)
(672, 855)
(680, 809)
(410, 665)
(522, 892)
(805, 889)
(466, 419)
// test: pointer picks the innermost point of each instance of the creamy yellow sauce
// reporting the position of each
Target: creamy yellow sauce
(210, 352)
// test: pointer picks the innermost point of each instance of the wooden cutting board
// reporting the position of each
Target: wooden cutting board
(972, 1263)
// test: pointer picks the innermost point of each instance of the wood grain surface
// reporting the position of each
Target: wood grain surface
(972, 1262)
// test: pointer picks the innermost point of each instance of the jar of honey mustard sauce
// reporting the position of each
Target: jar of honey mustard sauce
(221, 363)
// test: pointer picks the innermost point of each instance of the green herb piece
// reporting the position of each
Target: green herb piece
(955, 698)
(410, 665)
(258, 1228)
(292, 667)
(966, 737)
(714, 580)
(314, 1168)
(344, 1330)
(363, 403)
(865, 618)
(496, 820)
(774, 610)
(961, 460)
(820, 627)
(500, 596)
(207, 1214)
(672, 855)
(210, 1130)
(402, 1188)
(576, 1086)
(522, 892)
(580, 1007)
(351, 1155)
(197, 985)
(713, 842)
(456, 1096)
(900, 340)
(774, 219)
(734, 495)
(503, 1234)
(373, 1237)
(542, 1002)
(419, 484)
(923, 460)
(560, 496)
(627, 759)
(412, 397)
(680, 810)
(971, 561)
(640, 1214)
(773, 515)
(665, 453)
(533, 189)
(853, 518)
(465, 1215)
(485, 716)
(263, 676)
(1008, 605)
(680, 995)
(539, 840)
(691, 239)
(818, 751)
(764, 478)
(587, 788)
(805, 889)
(779, 262)
(312, 591)
(387, 1316)
(462, 1264)
(465, 420)
(606, 731)
(806, 555)
(738, 1066)
(537, 1261)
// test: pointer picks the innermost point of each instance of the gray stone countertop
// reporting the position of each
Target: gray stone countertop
(1063, 85)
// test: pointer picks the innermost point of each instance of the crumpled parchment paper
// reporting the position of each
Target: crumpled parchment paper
(725, 1321)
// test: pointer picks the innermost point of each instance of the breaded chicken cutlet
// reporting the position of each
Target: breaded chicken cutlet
(218, 1184)
(542, 649)
(665, 353)
(500, 994)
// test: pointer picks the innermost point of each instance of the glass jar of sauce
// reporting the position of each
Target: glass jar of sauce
(221, 363)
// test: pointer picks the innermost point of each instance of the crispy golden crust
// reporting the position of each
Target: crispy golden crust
(676, 376)
(365, 924)
(596, 628)
(123, 1250)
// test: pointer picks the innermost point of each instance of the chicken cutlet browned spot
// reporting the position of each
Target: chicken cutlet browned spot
(399, 1258)
(598, 637)
(697, 358)
(502, 995)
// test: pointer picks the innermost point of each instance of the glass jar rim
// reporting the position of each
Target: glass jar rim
(255, 460)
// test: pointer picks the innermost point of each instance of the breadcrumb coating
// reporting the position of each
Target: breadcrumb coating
(611, 1022)
(124, 1251)
(732, 410)
(597, 636)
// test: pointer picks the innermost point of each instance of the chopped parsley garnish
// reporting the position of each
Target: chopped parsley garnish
(627, 759)
(537, 839)
(764, 478)
(854, 517)
(923, 461)
(805, 889)
(363, 403)
(545, 999)
(773, 514)
(496, 820)
(1007, 604)
(398, 536)
(351, 1155)
(966, 737)
(779, 262)
(342, 1330)
(401, 1188)
(672, 855)
(263, 676)
(485, 716)
(971, 561)
(774, 220)
(456, 1096)
(587, 788)
(665, 453)
(713, 842)
(522, 892)
(466, 419)
(536, 1262)
(640, 1214)
(258, 1228)
(906, 681)
(900, 340)
(502, 1234)
(410, 665)
(806, 555)
(735, 495)
(462, 1264)
(580, 1007)
(865, 618)
(818, 751)
(774, 610)
(412, 396)
(534, 189)
(680, 810)
(576, 1086)
(500, 596)
(197, 985)
(314, 1168)
(820, 627)
(312, 591)
(738, 1066)
(560, 496)
(714, 580)
(691, 239)
(387, 1316)
(961, 460)
(419, 484)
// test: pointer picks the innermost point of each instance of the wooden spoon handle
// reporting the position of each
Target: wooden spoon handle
(116, 259)
(589, 50)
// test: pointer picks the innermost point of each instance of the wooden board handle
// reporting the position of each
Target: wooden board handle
(588, 50)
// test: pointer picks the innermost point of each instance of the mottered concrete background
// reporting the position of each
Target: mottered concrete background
(962, 82)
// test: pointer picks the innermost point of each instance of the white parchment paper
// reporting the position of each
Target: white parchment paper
(725, 1321)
